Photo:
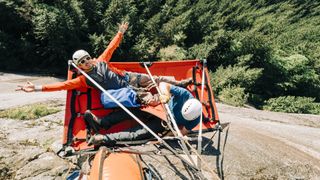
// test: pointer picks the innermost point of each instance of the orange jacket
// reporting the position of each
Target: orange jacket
(80, 81)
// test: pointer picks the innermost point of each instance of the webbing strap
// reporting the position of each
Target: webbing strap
(101, 162)
(194, 69)
(89, 102)
(88, 126)
(210, 97)
(73, 114)
(196, 84)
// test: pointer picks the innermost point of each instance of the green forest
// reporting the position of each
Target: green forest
(262, 53)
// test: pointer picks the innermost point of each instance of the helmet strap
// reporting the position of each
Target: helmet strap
(89, 70)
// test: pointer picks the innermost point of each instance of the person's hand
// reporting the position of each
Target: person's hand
(28, 87)
(123, 27)
(164, 98)
(150, 86)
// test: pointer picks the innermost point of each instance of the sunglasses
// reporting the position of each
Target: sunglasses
(82, 61)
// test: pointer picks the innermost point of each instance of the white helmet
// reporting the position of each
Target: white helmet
(78, 55)
(191, 109)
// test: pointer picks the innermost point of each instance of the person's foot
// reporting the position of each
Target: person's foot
(93, 121)
(89, 116)
(96, 140)
(185, 82)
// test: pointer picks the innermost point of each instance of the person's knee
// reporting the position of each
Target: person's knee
(105, 123)
(164, 87)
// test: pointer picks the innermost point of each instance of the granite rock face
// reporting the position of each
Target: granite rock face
(256, 145)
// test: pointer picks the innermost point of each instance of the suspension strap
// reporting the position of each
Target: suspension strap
(89, 97)
(210, 97)
(73, 113)
(206, 83)
(195, 84)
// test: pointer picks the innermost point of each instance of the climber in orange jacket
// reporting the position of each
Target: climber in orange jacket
(105, 74)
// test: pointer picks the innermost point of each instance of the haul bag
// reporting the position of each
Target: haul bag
(116, 166)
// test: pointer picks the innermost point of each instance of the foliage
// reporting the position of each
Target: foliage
(27, 112)
(172, 53)
(293, 104)
(235, 96)
(300, 77)
(56, 31)
(234, 76)
(276, 42)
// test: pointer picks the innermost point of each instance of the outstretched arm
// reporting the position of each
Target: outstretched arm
(114, 44)
(28, 87)
(66, 85)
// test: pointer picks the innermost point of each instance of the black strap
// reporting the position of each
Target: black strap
(210, 97)
(195, 83)
(89, 126)
(194, 69)
(89, 97)
(61, 151)
(73, 113)
(138, 80)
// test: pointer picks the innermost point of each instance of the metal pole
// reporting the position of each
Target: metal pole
(201, 116)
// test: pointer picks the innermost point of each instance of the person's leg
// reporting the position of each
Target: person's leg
(134, 79)
(148, 98)
(144, 80)
(142, 84)
(170, 80)
(113, 118)
(136, 133)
